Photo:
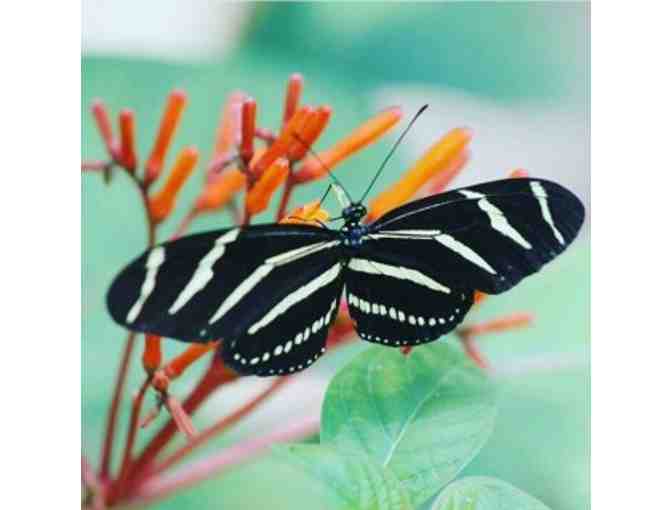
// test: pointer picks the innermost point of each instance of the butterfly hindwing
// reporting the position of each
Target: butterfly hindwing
(490, 236)
(290, 335)
(213, 285)
(395, 301)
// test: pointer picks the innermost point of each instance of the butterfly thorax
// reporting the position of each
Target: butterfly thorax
(353, 232)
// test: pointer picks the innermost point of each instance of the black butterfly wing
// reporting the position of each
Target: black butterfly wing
(224, 284)
(291, 335)
(396, 301)
(490, 235)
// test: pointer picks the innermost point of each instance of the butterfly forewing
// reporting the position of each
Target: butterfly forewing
(489, 236)
(395, 300)
(271, 292)
(214, 285)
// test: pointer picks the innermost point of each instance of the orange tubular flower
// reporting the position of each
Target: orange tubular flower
(220, 191)
(259, 196)
(151, 358)
(249, 114)
(180, 363)
(229, 125)
(283, 143)
(294, 89)
(479, 297)
(441, 182)
(438, 158)
(364, 135)
(311, 131)
(175, 104)
(127, 157)
(163, 202)
(309, 213)
(519, 173)
(102, 119)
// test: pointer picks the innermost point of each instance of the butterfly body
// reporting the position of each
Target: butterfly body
(271, 292)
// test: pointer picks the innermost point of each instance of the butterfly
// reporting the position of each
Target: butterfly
(271, 292)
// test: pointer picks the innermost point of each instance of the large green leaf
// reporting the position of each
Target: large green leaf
(482, 493)
(343, 481)
(424, 416)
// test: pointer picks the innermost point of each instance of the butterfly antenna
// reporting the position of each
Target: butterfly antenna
(332, 176)
(394, 148)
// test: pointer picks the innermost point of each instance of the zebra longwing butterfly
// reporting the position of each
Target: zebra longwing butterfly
(271, 292)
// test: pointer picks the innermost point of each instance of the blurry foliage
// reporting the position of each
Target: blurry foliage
(540, 439)
(507, 50)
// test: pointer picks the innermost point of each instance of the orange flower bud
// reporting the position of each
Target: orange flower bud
(283, 143)
(309, 213)
(191, 354)
(222, 190)
(175, 104)
(294, 88)
(438, 158)
(310, 132)
(259, 196)
(249, 114)
(440, 182)
(99, 111)
(162, 203)
(228, 129)
(151, 358)
(127, 157)
(364, 135)
(518, 173)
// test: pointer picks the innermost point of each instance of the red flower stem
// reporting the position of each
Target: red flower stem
(214, 377)
(472, 350)
(160, 487)
(221, 425)
(265, 135)
(219, 164)
(92, 486)
(286, 195)
(134, 423)
(185, 223)
(122, 373)
(95, 166)
(113, 410)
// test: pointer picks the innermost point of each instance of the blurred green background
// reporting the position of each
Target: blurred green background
(517, 73)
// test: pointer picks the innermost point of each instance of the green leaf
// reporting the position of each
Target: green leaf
(424, 416)
(343, 481)
(482, 493)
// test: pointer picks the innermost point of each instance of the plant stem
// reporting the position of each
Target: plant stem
(95, 166)
(221, 425)
(162, 486)
(184, 224)
(92, 485)
(216, 375)
(119, 485)
(113, 410)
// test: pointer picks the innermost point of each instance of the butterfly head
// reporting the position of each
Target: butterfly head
(354, 213)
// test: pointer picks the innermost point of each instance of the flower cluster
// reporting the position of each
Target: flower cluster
(248, 166)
